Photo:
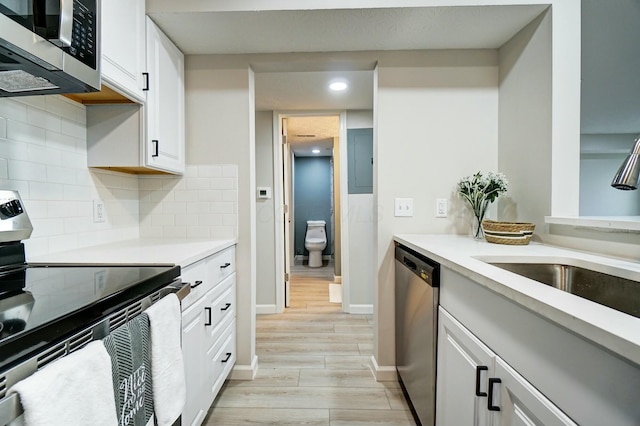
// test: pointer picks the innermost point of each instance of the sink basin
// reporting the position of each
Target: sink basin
(619, 293)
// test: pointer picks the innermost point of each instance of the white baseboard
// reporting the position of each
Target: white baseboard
(382, 374)
(245, 372)
(266, 309)
(361, 309)
(337, 279)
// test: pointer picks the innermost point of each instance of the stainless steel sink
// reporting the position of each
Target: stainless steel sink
(619, 293)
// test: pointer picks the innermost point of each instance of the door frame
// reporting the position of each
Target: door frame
(278, 204)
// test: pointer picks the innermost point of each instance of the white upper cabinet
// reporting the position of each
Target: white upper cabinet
(164, 147)
(123, 46)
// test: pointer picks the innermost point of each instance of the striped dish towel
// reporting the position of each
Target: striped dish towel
(128, 347)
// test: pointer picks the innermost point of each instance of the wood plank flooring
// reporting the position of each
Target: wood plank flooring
(313, 368)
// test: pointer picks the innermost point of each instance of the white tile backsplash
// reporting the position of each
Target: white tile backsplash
(43, 155)
(187, 207)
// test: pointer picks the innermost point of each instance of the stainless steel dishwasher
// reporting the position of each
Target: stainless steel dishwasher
(417, 282)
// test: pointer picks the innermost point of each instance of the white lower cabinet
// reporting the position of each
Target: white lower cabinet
(476, 387)
(208, 331)
(464, 364)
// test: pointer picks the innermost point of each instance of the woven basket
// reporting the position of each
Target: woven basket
(512, 233)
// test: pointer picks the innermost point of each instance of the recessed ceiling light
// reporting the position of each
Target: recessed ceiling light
(338, 86)
(316, 151)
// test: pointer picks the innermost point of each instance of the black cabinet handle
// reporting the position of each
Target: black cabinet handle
(196, 284)
(479, 370)
(208, 310)
(226, 306)
(227, 358)
(146, 81)
(490, 405)
(156, 146)
(226, 265)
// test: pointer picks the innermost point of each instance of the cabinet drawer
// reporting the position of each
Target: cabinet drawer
(223, 355)
(223, 307)
(222, 264)
(196, 275)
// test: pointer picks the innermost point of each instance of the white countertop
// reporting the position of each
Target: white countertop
(147, 251)
(614, 330)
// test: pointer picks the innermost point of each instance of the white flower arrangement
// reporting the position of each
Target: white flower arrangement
(480, 191)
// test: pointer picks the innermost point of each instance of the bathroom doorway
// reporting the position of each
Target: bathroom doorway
(311, 182)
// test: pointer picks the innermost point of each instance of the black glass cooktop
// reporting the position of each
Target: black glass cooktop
(40, 304)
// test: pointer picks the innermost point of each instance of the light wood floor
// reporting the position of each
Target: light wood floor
(313, 369)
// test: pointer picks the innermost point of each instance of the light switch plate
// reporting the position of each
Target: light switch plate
(404, 207)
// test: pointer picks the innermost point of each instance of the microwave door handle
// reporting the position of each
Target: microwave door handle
(66, 24)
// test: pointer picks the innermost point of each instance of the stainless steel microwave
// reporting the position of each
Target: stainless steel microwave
(49, 47)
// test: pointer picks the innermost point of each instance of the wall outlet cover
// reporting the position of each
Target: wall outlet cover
(441, 207)
(98, 211)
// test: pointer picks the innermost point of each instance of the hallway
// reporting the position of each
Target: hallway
(313, 367)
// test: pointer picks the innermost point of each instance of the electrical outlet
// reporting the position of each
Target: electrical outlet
(441, 207)
(98, 211)
(404, 207)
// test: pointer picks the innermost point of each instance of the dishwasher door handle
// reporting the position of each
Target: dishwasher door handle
(409, 263)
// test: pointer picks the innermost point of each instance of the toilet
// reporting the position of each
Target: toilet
(315, 241)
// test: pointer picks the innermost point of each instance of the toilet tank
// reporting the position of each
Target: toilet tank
(315, 229)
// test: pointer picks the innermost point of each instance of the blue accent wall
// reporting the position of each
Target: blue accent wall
(311, 197)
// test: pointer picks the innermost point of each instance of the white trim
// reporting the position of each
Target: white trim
(360, 309)
(382, 374)
(278, 194)
(344, 215)
(245, 372)
(267, 309)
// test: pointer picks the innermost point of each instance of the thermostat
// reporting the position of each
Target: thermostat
(264, 192)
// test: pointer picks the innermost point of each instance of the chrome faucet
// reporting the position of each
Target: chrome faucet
(627, 176)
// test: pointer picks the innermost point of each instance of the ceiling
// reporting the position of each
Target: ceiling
(312, 132)
(255, 28)
(330, 30)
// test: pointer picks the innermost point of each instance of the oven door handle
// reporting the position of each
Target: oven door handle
(10, 409)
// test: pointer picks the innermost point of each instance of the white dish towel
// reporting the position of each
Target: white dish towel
(167, 366)
(74, 390)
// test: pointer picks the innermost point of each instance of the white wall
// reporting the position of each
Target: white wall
(220, 129)
(43, 155)
(361, 228)
(265, 226)
(434, 124)
(525, 153)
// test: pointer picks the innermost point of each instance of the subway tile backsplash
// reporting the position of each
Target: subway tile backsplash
(201, 204)
(43, 151)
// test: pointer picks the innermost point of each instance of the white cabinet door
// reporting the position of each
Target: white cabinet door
(164, 147)
(464, 364)
(193, 351)
(520, 404)
(123, 46)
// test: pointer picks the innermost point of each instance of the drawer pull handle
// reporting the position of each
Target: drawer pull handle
(479, 370)
(226, 265)
(226, 306)
(196, 284)
(490, 405)
(227, 358)
(208, 310)
(146, 81)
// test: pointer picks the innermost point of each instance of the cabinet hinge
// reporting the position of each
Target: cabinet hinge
(286, 277)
